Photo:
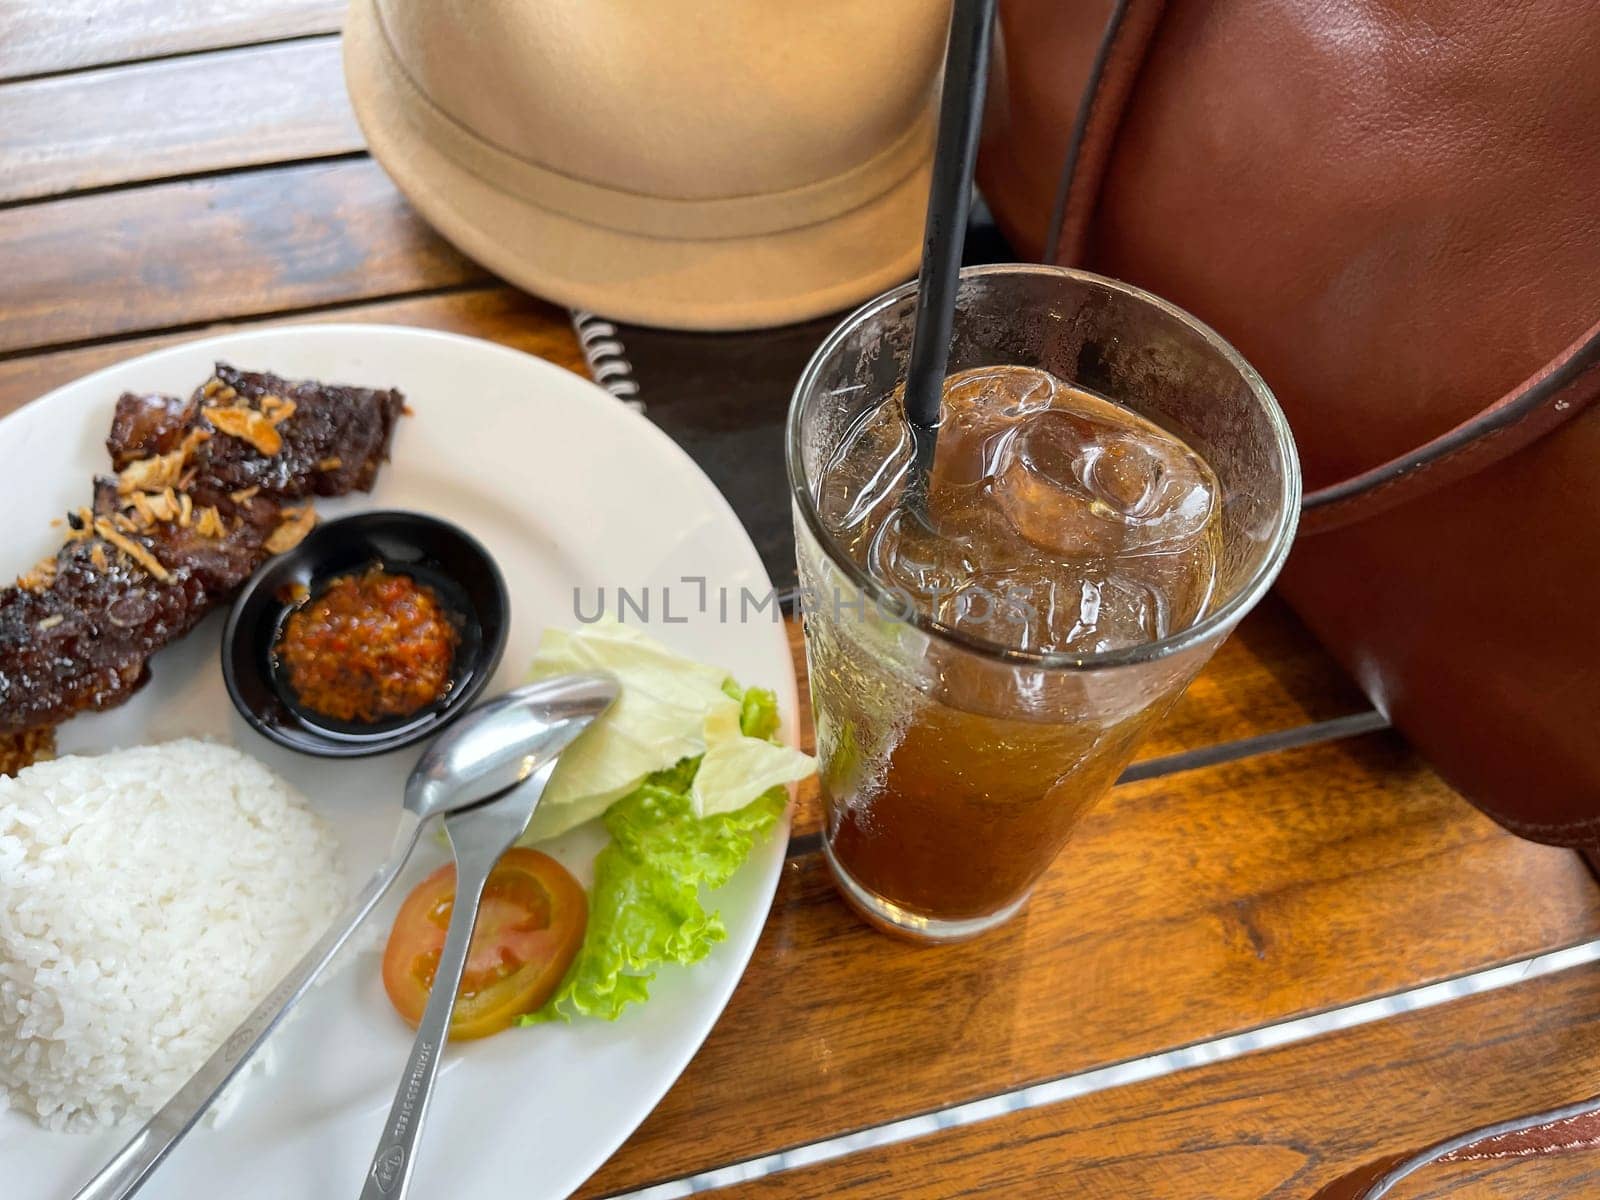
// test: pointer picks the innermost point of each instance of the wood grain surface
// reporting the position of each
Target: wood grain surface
(208, 250)
(179, 116)
(500, 314)
(38, 36)
(1187, 907)
(1276, 1125)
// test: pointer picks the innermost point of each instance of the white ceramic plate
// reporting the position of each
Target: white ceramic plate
(568, 489)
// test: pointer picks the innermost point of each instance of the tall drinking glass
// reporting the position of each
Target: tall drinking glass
(955, 763)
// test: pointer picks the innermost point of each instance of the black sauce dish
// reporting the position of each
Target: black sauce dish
(442, 556)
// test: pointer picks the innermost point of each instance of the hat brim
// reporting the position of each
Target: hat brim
(724, 283)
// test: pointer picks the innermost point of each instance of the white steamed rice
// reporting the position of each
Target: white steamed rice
(148, 899)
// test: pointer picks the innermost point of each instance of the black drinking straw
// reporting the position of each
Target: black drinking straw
(966, 75)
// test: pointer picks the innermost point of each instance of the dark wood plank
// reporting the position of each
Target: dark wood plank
(40, 36)
(179, 116)
(499, 314)
(207, 250)
(1187, 907)
(1277, 1125)
(1269, 676)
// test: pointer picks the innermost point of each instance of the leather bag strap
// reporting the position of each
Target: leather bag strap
(1553, 395)
(1558, 1131)
(1128, 33)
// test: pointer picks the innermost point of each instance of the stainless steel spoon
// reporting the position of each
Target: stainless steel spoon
(490, 750)
(478, 837)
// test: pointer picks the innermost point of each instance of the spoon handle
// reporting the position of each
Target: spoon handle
(478, 838)
(127, 1172)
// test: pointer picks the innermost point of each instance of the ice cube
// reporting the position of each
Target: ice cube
(908, 554)
(867, 471)
(1115, 612)
(1047, 607)
(978, 415)
(1077, 484)
(1053, 519)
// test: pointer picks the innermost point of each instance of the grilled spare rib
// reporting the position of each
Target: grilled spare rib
(206, 490)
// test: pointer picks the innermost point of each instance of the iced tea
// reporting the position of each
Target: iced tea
(1055, 520)
(993, 633)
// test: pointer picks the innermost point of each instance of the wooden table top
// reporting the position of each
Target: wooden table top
(172, 169)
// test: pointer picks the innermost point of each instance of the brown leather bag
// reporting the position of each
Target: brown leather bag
(1393, 211)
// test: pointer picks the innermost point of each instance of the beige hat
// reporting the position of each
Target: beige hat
(700, 164)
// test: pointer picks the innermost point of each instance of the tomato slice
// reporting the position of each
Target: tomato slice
(529, 929)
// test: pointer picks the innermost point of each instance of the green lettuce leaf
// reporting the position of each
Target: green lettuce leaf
(671, 708)
(646, 908)
(758, 711)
